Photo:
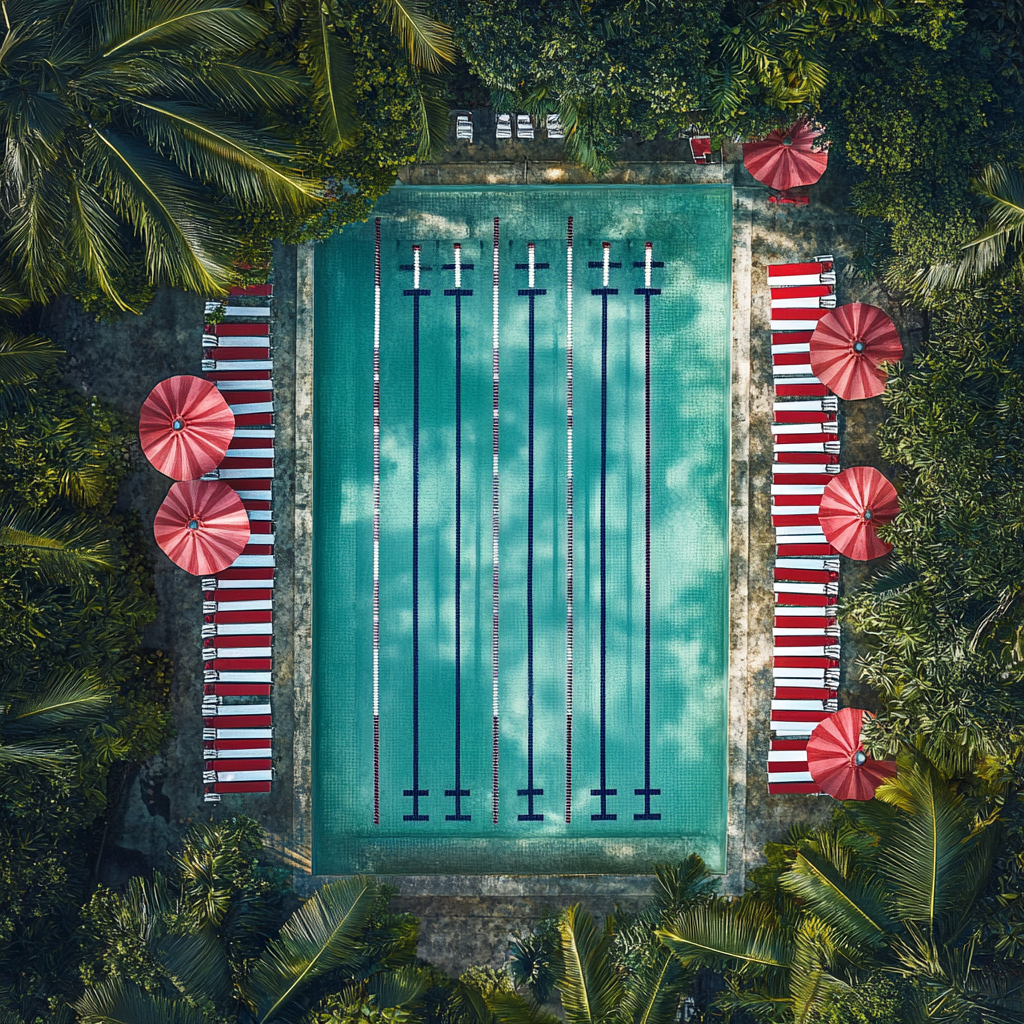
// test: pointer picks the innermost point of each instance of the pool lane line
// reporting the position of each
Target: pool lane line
(604, 291)
(416, 292)
(531, 292)
(647, 291)
(495, 522)
(376, 521)
(569, 527)
(458, 292)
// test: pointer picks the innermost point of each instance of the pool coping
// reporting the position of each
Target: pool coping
(300, 843)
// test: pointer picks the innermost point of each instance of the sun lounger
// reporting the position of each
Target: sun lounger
(245, 385)
(790, 548)
(830, 404)
(782, 490)
(804, 530)
(795, 319)
(784, 469)
(253, 776)
(237, 580)
(226, 653)
(797, 274)
(785, 574)
(784, 389)
(524, 126)
(827, 589)
(216, 365)
(464, 127)
(554, 127)
(239, 677)
(700, 149)
(503, 126)
(249, 408)
(261, 744)
(214, 733)
(213, 705)
(262, 762)
(244, 473)
(213, 607)
(236, 787)
(238, 330)
(807, 291)
(239, 629)
(237, 689)
(803, 301)
(789, 444)
(801, 691)
(826, 673)
(794, 370)
(252, 289)
(254, 312)
(211, 721)
(783, 704)
(220, 754)
(831, 564)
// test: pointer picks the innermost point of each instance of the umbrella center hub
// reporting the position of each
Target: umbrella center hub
(193, 524)
(868, 514)
(859, 758)
(787, 141)
(858, 346)
(178, 425)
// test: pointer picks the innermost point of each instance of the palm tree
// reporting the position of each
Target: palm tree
(137, 121)
(327, 48)
(897, 891)
(191, 937)
(618, 973)
(1000, 243)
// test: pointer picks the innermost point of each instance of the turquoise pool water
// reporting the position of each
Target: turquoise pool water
(499, 718)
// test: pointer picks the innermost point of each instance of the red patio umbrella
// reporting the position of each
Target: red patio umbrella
(853, 504)
(185, 427)
(201, 526)
(836, 759)
(848, 347)
(787, 159)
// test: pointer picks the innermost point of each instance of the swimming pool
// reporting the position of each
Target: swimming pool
(521, 628)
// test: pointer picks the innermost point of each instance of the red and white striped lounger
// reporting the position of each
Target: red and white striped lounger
(232, 579)
(784, 320)
(803, 625)
(800, 291)
(784, 573)
(806, 600)
(827, 677)
(250, 385)
(826, 300)
(223, 607)
(226, 629)
(246, 312)
(212, 733)
(237, 689)
(804, 548)
(248, 678)
(789, 468)
(809, 491)
(803, 390)
(791, 364)
(787, 768)
(795, 613)
(796, 723)
(783, 431)
(796, 274)
(811, 651)
(830, 704)
(236, 748)
(238, 331)
(241, 764)
(250, 776)
(220, 708)
(218, 366)
(807, 444)
(830, 404)
(810, 589)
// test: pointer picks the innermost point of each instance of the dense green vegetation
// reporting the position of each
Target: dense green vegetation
(168, 142)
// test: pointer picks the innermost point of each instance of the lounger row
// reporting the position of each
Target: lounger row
(805, 578)
(238, 603)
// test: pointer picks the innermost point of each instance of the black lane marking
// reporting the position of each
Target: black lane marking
(647, 792)
(416, 792)
(604, 792)
(458, 792)
(531, 790)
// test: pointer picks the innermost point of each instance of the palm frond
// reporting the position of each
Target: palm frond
(332, 68)
(434, 119)
(117, 1001)
(652, 994)
(186, 245)
(74, 696)
(398, 988)
(513, 1008)
(249, 84)
(25, 355)
(429, 43)
(249, 164)
(43, 756)
(197, 964)
(34, 238)
(849, 903)
(319, 937)
(745, 938)
(584, 975)
(678, 886)
(56, 545)
(811, 984)
(127, 27)
(95, 239)
(923, 856)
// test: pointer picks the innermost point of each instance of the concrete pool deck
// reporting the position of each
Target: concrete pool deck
(465, 920)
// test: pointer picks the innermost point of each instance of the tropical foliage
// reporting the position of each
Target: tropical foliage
(883, 915)
(944, 621)
(207, 943)
(80, 697)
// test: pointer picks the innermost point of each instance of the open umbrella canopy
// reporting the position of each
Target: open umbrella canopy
(853, 504)
(837, 761)
(185, 427)
(787, 159)
(848, 347)
(202, 526)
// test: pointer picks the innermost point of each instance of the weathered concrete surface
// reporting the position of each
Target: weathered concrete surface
(465, 921)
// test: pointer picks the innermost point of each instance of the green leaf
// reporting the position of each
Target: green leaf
(584, 974)
(744, 937)
(117, 1001)
(653, 993)
(332, 67)
(428, 42)
(55, 544)
(25, 355)
(321, 936)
